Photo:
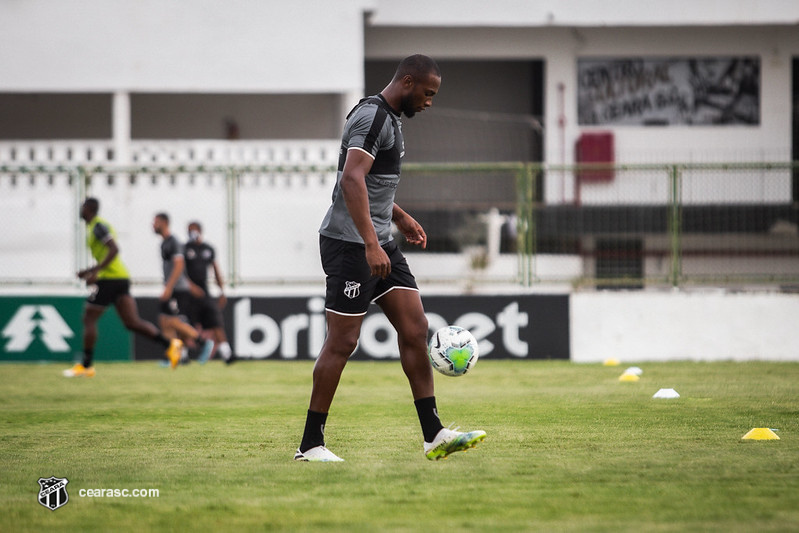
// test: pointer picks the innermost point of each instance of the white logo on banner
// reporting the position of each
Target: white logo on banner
(42, 321)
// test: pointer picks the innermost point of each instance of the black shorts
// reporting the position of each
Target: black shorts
(350, 285)
(205, 311)
(178, 305)
(108, 291)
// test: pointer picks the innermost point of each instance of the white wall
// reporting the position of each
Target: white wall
(707, 326)
(181, 46)
(509, 13)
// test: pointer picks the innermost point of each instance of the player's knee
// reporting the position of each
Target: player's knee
(342, 345)
(417, 329)
(415, 332)
(130, 323)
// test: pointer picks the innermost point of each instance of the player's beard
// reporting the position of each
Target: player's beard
(406, 106)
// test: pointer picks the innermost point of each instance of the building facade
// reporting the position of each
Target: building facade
(264, 82)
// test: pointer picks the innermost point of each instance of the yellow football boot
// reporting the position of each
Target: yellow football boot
(79, 371)
(173, 353)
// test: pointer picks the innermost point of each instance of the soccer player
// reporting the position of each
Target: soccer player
(175, 298)
(112, 280)
(205, 310)
(363, 264)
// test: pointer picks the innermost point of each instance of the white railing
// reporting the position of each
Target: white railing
(56, 152)
(195, 152)
(320, 152)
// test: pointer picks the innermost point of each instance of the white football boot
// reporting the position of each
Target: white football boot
(319, 454)
(449, 441)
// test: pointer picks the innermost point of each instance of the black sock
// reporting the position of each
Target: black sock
(88, 357)
(162, 340)
(314, 434)
(428, 416)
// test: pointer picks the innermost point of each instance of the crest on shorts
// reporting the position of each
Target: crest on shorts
(53, 492)
(352, 289)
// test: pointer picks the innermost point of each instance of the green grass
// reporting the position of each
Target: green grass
(569, 448)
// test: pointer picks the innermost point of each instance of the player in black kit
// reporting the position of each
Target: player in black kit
(205, 310)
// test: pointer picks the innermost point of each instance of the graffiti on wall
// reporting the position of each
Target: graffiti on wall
(669, 91)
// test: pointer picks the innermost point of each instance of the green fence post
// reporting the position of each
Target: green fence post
(521, 224)
(82, 185)
(532, 237)
(675, 224)
(76, 181)
(525, 213)
(232, 214)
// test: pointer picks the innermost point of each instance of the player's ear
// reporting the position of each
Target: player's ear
(407, 81)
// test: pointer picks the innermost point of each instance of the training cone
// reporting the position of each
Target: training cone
(666, 393)
(628, 377)
(760, 434)
(611, 362)
(634, 370)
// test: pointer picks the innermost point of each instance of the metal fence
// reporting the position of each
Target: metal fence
(619, 226)
(663, 225)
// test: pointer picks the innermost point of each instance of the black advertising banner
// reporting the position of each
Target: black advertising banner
(507, 327)
(654, 91)
(285, 328)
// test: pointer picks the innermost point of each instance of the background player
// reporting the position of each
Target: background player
(112, 281)
(205, 309)
(175, 298)
(364, 264)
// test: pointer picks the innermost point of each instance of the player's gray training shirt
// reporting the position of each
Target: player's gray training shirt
(170, 248)
(372, 126)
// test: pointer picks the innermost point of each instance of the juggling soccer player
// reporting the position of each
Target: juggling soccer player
(363, 264)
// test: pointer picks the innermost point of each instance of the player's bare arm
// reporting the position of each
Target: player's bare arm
(409, 227)
(353, 187)
(220, 281)
(195, 290)
(90, 274)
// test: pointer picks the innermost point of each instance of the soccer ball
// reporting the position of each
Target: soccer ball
(453, 351)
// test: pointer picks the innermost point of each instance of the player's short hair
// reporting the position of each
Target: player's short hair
(418, 66)
(92, 203)
(163, 216)
(197, 224)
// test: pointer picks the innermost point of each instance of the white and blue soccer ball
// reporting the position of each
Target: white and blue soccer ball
(453, 351)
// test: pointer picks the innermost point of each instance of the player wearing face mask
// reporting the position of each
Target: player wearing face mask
(205, 309)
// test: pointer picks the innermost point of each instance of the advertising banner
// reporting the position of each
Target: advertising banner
(287, 328)
(50, 328)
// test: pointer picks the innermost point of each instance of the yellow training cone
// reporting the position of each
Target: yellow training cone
(760, 434)
(628, 377)
(611, 362)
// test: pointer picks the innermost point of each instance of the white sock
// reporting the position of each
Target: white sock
(224, 350)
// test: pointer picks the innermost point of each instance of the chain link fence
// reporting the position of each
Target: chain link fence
(615, 227)
(663, 225)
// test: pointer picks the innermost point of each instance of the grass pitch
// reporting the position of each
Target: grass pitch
(569, 448)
